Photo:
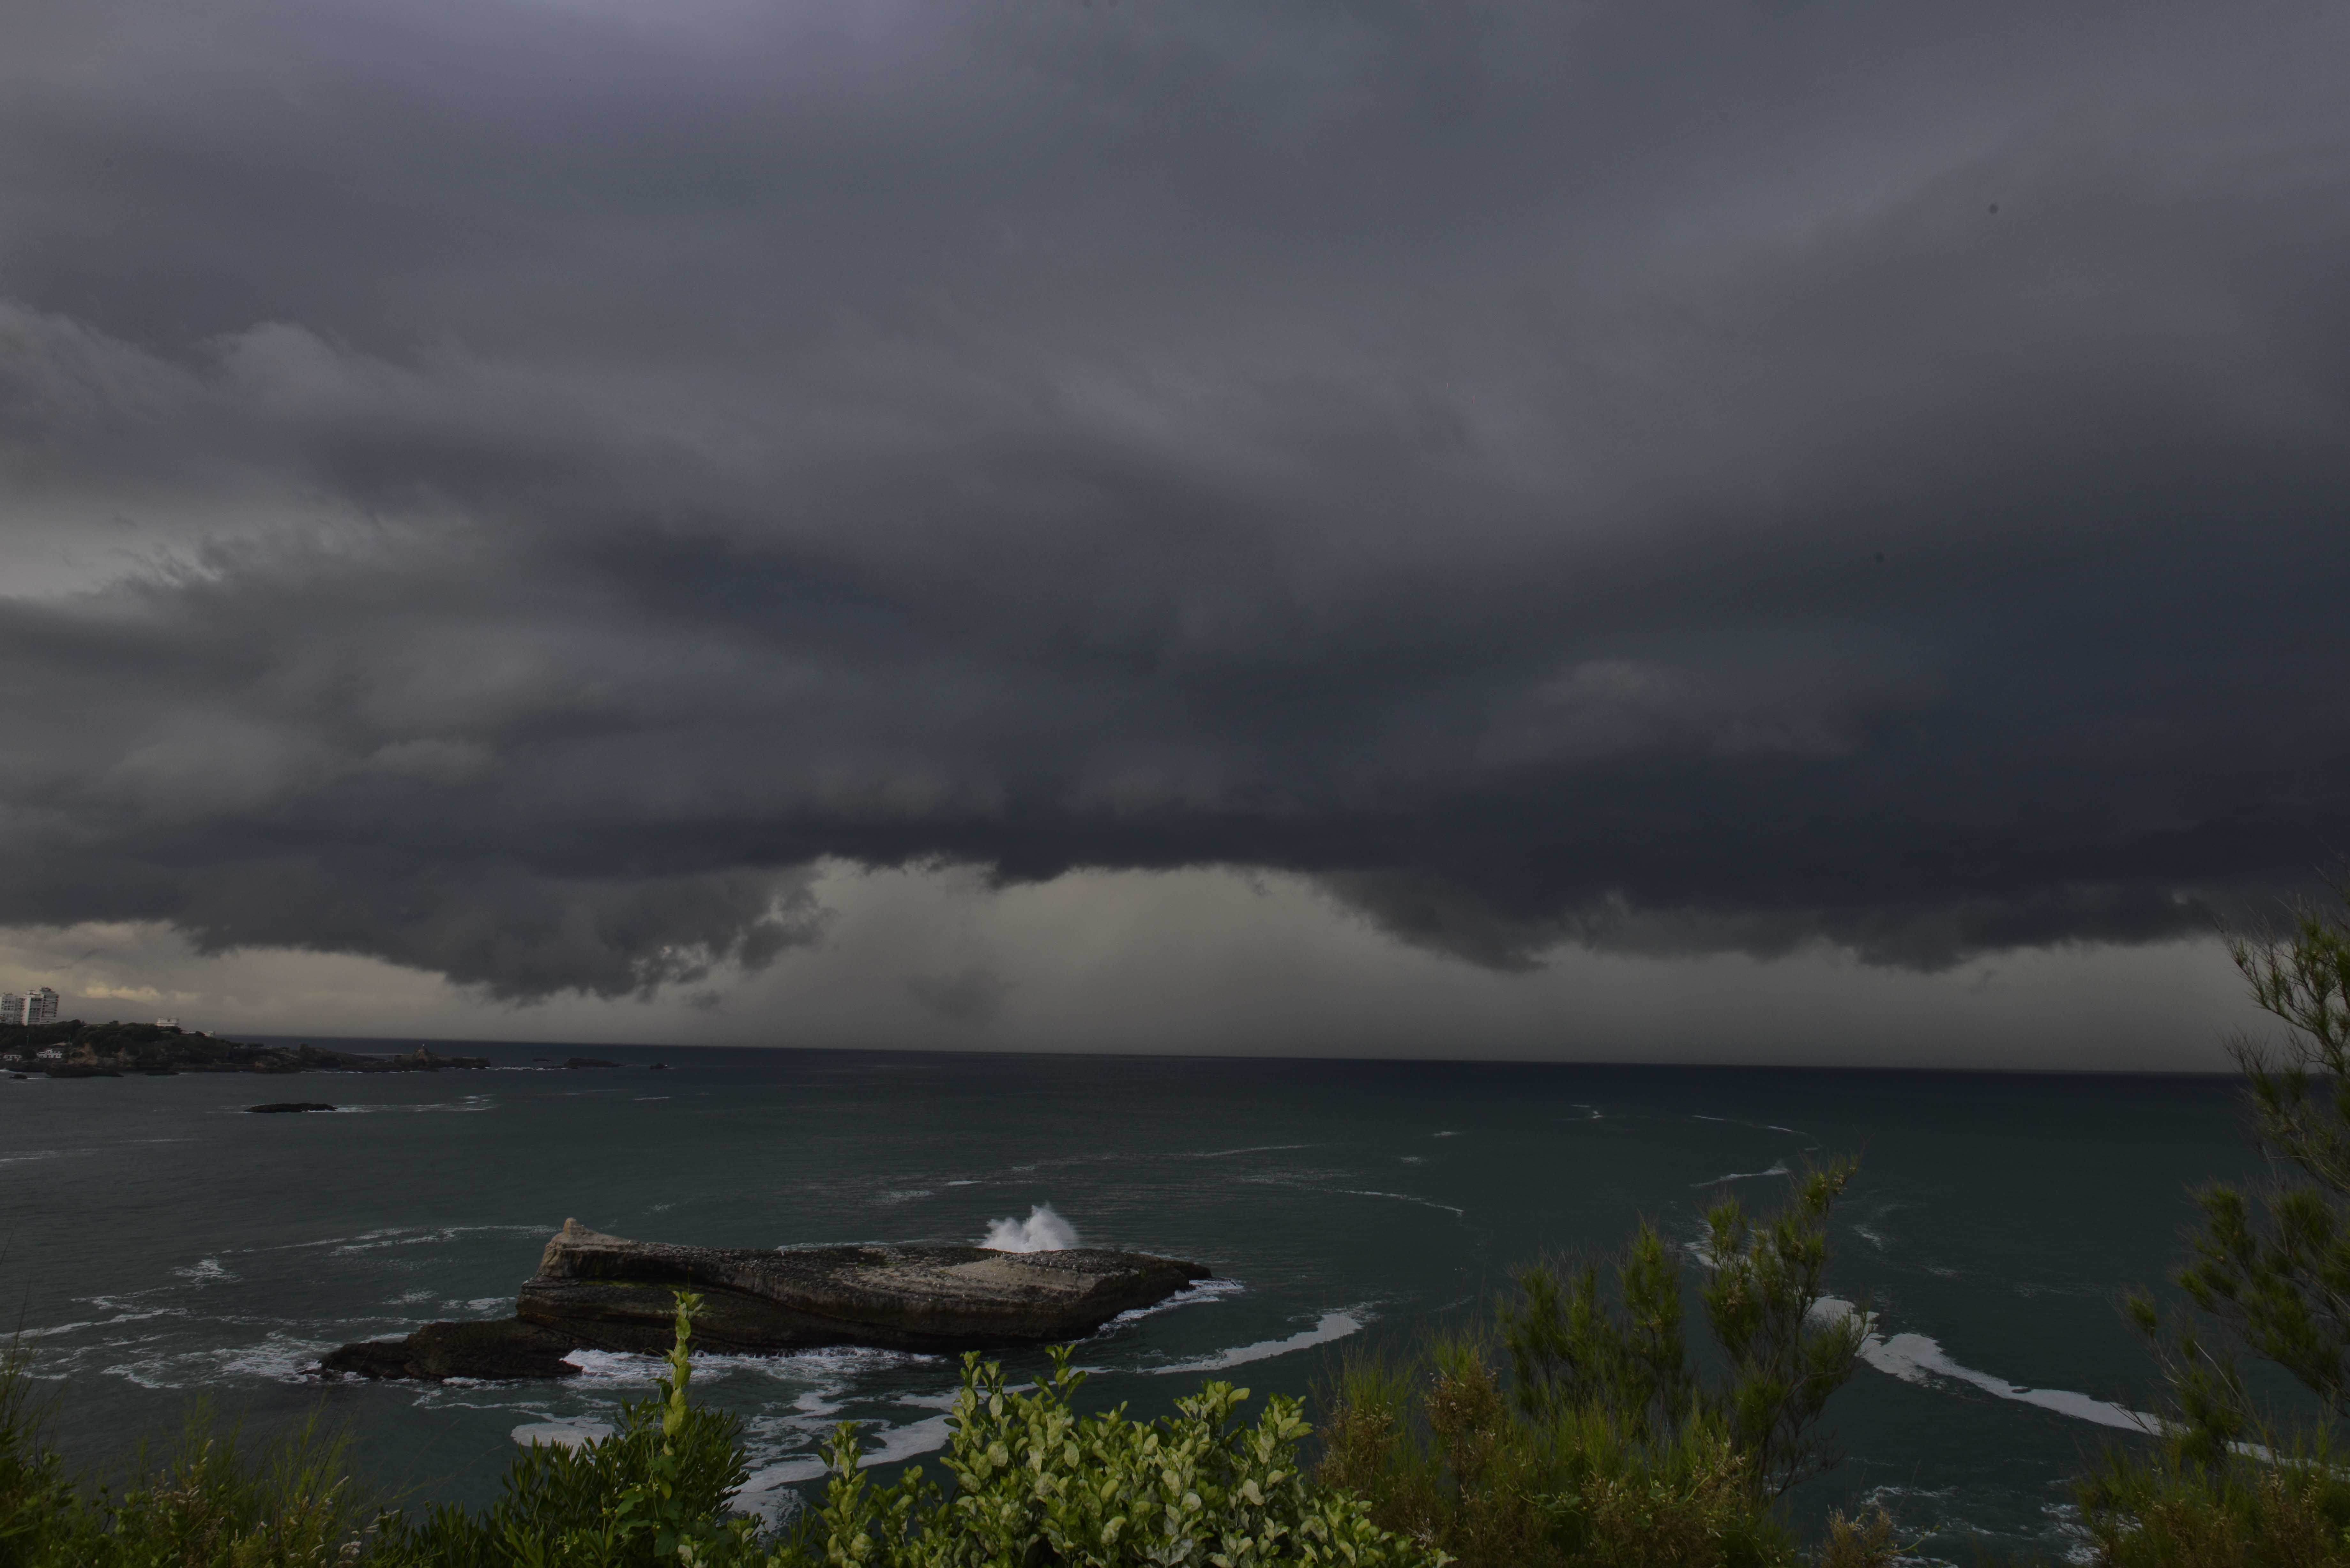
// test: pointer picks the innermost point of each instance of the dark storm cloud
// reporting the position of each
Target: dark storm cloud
(506, 488)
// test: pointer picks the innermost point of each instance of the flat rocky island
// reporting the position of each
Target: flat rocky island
(594, 1291)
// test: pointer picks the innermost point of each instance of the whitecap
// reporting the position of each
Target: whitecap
(278, 1358)
(1778, 1168)
(1759, 1126)
(764, 1491)
(1917, 1359)
(1251, 1149)
(101, 1322)
(396, 1235)
(1201, 1291)
(413, 1236)
(1403, 1198)
(1334, 1325)
(923, 1437)
(573, 1432)
(633, 1369)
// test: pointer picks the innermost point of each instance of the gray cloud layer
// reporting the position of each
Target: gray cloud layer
(505, 487)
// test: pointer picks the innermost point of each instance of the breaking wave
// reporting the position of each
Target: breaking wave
(1042, 1232)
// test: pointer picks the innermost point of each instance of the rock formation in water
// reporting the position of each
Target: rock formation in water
(595, 1291)
(279, 1108)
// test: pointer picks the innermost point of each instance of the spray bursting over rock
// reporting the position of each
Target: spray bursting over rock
(1042, 1232)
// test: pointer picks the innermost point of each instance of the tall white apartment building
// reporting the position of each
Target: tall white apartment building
(36, 1006)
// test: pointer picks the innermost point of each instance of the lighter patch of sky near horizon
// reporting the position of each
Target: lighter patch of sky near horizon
(1212, 961)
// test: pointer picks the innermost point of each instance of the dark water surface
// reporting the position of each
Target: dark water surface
(161, 1243)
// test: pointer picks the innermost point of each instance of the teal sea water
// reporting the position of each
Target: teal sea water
(160, 1243)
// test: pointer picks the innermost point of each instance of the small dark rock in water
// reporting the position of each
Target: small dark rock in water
(590, 1061)
(276, 1105)
(594, 1291)
(657, 1067)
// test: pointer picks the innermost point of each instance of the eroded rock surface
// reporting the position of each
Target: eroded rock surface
(596, 1291)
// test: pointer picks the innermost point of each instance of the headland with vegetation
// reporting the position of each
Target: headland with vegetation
(71, 1048)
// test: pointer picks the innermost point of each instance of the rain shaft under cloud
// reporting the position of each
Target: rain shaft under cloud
(507, 489)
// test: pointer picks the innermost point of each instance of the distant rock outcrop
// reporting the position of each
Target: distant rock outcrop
(596, 1291)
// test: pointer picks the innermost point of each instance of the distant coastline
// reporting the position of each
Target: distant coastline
(71, 1048)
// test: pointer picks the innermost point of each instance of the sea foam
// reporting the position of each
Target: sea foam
(1918, 1358)
(1334, 1325)
(1042, 1232)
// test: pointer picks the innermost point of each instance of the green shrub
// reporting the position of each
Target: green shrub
(207, 1504)
(34, 1489)
(1445, 1460)
(1603, 1445)
(1038, 1484)
(2228, 1483)
(2175, 1511)
(653, 1491)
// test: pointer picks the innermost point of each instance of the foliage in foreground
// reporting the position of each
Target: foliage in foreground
(653, 1491)
(2172, 1511)
(1578, 1431)
(2227, 1484)
(1600, 1444)
(208, 1503)
(1036, 1484)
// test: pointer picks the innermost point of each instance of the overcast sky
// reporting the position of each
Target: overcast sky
(1738, 532)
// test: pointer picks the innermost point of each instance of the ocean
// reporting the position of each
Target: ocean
(161, 1244)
